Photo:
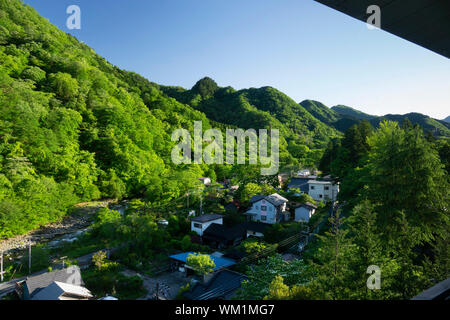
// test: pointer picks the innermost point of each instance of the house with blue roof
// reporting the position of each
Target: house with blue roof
(179, 262)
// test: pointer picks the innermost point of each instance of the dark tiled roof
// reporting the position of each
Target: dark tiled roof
(206, 218)
(300, 183)
(257, 226)
(256, 198)
(223, 284)
(307, 205)
(223, 233)
(276, 199)
(70, 275)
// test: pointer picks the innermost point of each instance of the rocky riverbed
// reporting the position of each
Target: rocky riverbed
(80, 219)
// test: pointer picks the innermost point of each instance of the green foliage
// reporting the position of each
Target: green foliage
(252, 246)
(99, 259)
(261, 275)
(201, 263)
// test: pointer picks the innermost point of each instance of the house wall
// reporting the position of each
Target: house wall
(269, 213)
(319, 192)
(204, 225)
(303, 214)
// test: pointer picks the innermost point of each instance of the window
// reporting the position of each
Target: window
(263, 208)
(312, 187)
(327, 188)
(320, 196)
(198, 225)
(263, 218)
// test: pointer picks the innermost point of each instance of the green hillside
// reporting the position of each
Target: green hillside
(255, 108)
(74, 128)
(350, 112)
(320, 111)
(438, 128)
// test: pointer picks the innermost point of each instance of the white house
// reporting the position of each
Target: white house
(201, 223)
(323, 190)
(304, 212)
(268, 209)
(205, 180)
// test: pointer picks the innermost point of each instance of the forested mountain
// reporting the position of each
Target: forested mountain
(255, 108)
(74, 128)
(343, 117)
(353, 113)
(447, 119)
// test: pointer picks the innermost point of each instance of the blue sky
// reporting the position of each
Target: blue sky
(300, 47)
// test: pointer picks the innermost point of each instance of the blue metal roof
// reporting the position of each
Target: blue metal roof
(219, 262)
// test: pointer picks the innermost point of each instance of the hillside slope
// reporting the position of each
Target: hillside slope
(73, 127)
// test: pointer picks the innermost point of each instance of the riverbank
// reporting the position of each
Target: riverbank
(81, 217)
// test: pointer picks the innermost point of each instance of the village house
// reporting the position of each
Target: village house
(201, 223)
(304, 212)
(65, 284)
(300, 183)
(220, 236)
(320, 189)
(323, 190)
(268, 209)
(179, 262)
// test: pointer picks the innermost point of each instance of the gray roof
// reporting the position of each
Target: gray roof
(221, 286)
(256, 198)
(206, 217)
(319, 182)
(61, 291)
(274, 199)
(70, 275)
(300, 183)
(308, 205)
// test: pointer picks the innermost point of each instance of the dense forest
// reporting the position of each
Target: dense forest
(343, 117)
(75, 128)
(393, 217)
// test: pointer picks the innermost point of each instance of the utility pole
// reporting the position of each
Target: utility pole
(1, 267)
(29, 257)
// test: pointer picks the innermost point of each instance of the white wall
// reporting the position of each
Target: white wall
(204, 225)
(270, 213)
(303, 214)
(319, 193)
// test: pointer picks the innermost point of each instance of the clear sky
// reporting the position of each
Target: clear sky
(304, 49)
